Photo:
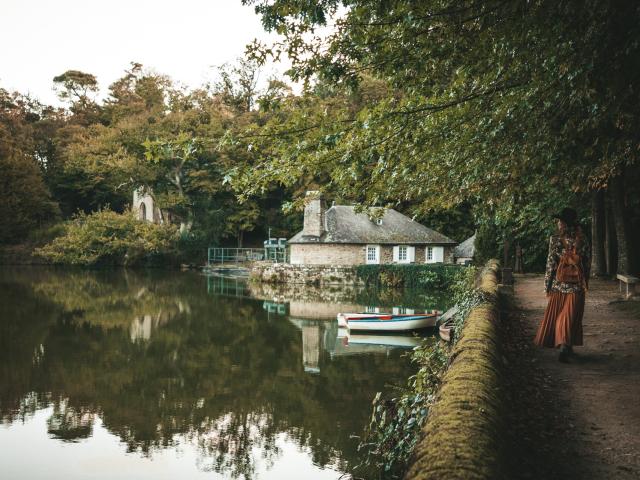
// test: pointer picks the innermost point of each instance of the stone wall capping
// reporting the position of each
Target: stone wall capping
(462, 435)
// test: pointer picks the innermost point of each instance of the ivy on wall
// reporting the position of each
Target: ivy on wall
(408, 276)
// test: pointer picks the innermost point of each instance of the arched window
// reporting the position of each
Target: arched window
(143, 211)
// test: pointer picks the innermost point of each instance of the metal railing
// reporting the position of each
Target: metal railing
(224, 255)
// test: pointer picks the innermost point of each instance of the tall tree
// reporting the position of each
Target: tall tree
(237, 84)
(26, 201)
(598, 255)
(488, 101)
(79, 89)
(621, 222)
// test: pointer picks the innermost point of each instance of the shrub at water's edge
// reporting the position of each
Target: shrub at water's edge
(396, 423)
(109, 238)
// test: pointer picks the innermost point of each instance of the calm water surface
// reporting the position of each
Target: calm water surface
(166, 375)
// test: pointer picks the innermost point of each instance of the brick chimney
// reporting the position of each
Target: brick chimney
(314, 210)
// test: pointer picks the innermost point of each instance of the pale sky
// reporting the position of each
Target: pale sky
(184, 39)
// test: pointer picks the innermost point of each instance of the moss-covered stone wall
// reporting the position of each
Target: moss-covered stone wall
(463, 436)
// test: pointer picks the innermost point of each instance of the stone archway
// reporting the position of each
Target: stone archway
(143, 211)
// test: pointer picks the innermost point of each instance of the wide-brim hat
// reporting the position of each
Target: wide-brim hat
(567, 215)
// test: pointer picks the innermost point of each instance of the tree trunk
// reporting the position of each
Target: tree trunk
(610, 244)
(240, 238)
(598, 260)
(621, 222)
(518, 263)
(506, 246)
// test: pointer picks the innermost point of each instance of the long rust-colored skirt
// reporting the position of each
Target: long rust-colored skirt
(562, 322)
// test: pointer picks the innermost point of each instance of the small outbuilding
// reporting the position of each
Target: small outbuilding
(144, 207)
(340, 236)
(464, 252)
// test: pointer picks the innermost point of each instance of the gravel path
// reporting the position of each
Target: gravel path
(579, 420)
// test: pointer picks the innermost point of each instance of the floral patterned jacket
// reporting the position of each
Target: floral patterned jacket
(556, 247)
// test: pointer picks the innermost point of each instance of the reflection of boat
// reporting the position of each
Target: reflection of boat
(400, 341)
(386, 321)
(349, 343)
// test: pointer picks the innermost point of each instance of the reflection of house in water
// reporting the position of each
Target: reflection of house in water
(316, 336)
(305, 301)
(322, 341)
(275, 307)
(311, 345)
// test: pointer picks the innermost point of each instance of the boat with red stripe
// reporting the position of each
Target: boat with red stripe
(387, 321)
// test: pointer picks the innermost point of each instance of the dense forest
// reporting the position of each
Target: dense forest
(485, 116)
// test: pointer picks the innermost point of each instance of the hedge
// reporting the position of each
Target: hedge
(410, 276)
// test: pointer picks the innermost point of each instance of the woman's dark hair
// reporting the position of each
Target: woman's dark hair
(571, 230)
(568, 215)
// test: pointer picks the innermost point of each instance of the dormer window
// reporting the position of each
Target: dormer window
(379, 221)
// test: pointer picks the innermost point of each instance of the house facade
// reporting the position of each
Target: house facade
(340, 236)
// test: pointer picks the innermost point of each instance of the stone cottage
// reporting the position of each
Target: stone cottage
(340, 236)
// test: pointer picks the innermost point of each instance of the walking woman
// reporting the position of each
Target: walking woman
(565, 283)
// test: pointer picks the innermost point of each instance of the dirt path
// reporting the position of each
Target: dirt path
(579, 420)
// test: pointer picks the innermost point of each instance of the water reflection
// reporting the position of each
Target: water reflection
(307, 301)
(165, 361)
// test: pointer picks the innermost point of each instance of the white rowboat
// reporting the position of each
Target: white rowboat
(386, 321)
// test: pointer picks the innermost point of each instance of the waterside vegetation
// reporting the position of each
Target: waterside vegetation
(397, 421)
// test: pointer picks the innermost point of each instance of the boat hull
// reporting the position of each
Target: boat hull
(382, 322)
(445, 330)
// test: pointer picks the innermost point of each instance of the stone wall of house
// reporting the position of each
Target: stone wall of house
(448, 254)
(326, 254)
(350, 254)
(307, 274)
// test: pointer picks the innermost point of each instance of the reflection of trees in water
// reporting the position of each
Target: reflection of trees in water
(230, 442)
(222, 374)
(111, 298)
(70, 424)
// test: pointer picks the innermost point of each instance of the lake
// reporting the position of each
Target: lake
(161, 375)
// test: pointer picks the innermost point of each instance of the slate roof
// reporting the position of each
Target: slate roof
(466, 249)
(344, 225)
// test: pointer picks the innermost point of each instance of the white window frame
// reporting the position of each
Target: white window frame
(372, 248)
(437, 254)
(404, 254)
